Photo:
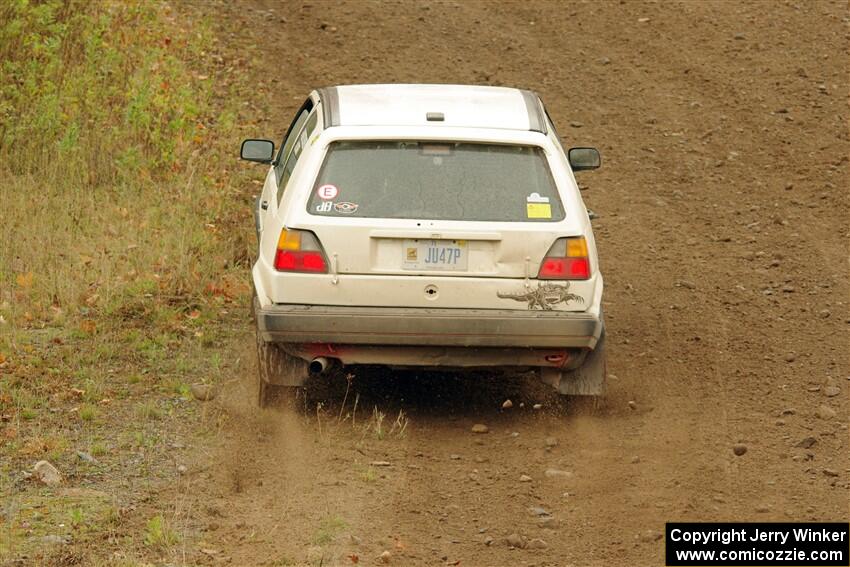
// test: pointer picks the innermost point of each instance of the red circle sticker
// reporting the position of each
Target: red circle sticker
(327, 192)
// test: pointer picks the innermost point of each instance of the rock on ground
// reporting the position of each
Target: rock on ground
(825, 412)
(547, 522)
(47, 473)
(537, 543)
(86, 457)
(202, 392)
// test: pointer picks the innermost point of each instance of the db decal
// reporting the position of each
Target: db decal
(327, 192)
(325, 207)
(345, 207)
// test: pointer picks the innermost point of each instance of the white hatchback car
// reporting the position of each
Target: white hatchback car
(425, 226)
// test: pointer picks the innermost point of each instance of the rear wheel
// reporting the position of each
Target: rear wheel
(276, 366)
(589, 378)
(280, 376)
(582, 388)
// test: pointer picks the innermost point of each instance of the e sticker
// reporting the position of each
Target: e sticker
(327, 192)
(538, 210)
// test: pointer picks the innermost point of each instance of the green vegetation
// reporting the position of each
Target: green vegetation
(124, 245)
(159, 534)
(367, 473)
(73, 515)
(328, 529)
(147, 411)
(88, 412)
(113, 189)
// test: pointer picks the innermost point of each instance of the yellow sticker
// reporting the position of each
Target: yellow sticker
(539, 210)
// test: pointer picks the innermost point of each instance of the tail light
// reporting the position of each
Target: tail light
(567, 259)
(299, 251)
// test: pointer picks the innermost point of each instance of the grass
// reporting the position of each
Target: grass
(142, 440)
(376, 426)
(88, 412)
(159, 534)
(126, 235)
(75, 514)
(147, 411)
(328, 529)
(97, 450)
(76, 517)
(115, 197)
(366, 473)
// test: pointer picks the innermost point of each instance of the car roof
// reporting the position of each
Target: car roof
(468, 106)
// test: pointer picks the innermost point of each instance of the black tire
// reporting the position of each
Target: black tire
(272, 362)
(279, 375)
(583, 388)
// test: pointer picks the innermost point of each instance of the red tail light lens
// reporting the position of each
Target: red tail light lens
(289, 261)
(567, 259)
(564, 269)
(299, 251)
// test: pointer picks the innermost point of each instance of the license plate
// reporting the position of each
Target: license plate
(449, 255)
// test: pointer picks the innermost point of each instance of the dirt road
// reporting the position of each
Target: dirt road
(723, 231)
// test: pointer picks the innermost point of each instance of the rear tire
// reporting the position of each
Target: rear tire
(583, 387)
(273, 366)
(280, 376)
(589, 378)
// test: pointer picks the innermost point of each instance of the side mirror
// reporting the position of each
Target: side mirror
(260, 151)
(584, 158)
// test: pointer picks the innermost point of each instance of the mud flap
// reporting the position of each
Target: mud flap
(281, 368)
(586, 380)
(276, 366)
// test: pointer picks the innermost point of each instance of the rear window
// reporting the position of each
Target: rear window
(436, 180)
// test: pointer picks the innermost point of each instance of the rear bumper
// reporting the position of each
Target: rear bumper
(386, 326)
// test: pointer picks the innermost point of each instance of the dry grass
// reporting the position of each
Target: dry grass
(113, 191)
(125, 237)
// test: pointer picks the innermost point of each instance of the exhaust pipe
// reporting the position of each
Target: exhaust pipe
(319, 365)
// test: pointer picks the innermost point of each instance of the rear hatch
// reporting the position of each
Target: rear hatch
(407, 224)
